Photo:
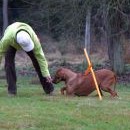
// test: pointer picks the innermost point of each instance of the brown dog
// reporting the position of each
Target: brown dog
(82, 85)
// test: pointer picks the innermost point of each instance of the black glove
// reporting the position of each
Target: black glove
(47, 85)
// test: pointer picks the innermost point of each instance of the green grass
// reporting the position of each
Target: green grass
(31, 109)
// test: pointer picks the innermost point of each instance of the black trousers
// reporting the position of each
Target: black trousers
(11, 73)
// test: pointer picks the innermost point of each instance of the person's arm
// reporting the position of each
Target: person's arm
(38, 60)
(46, 81)
(37, 56)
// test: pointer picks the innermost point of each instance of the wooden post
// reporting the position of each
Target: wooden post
(93, 74)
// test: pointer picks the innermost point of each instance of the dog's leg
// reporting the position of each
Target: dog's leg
(69, 91)
(108, 89)
(113, 93)
(62, 90)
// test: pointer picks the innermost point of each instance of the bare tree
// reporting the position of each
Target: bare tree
(5, 14)
(115, 42)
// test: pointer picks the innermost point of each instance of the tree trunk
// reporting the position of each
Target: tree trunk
(115, 45)
(87, 30)
(5, 14)
(116, 54)
(104, 23)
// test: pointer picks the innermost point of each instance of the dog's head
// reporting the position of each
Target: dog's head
(59, 76)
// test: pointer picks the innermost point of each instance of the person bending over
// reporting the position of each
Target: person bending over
(21, 36)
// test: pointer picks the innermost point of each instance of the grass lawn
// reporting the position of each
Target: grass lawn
(31, 109)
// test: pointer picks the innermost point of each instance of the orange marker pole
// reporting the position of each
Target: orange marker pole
(93, 74)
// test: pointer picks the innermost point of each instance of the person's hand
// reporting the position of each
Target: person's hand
(47, 84)
(49, 79)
